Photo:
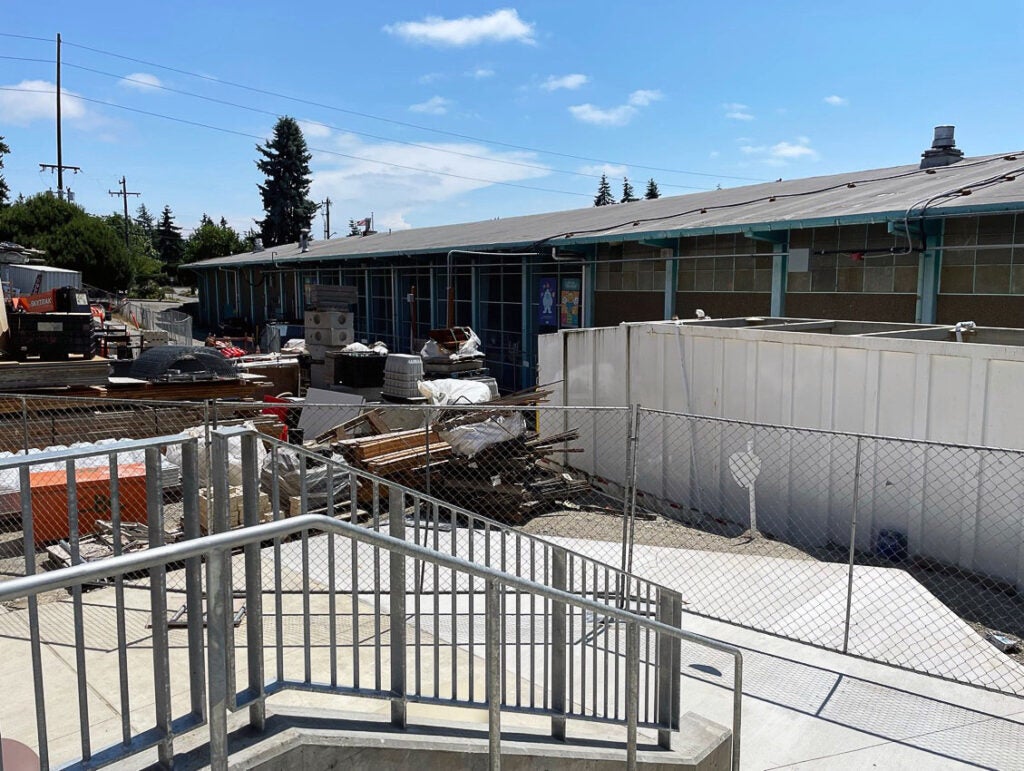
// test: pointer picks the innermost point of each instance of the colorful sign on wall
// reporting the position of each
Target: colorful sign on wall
(571, 302)
(547, 311)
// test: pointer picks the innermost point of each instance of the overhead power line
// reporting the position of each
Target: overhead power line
(346, 130)
(314, 149)
(404, 124)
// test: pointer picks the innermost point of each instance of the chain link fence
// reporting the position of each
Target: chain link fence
(176, 324)
(905, 552)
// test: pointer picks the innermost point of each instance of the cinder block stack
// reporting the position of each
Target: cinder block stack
(327, 329)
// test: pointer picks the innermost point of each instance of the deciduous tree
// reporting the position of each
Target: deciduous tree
(70, 238)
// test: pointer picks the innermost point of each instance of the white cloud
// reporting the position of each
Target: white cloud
(430, 77)
(568, 82)
(394, 194)
(782, 152)
(737, 111)
(36, 100)
(614, 116)
(481, 72)
(800, 149)
(836, 101)
(498, 27)
(608, 169)
(141, 81)
(713, 154)
(313, 130)
(435, 105)
(644, 97)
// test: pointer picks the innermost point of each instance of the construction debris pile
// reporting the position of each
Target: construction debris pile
(489, 460)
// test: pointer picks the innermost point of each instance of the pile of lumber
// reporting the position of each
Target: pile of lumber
(507, 480)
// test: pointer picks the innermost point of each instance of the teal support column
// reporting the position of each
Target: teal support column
(528, 355)
(589, 284)
(671, 282)
(474, 294)
(929, 271)
(780, 275)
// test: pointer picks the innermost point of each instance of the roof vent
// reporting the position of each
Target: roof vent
(304, 240)
(257, 244)
(943, 151)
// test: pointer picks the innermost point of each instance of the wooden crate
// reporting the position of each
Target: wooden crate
(235, 508)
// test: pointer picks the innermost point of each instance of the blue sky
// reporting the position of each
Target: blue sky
(417, 115)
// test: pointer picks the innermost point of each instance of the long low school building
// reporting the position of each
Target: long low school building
(937, 241)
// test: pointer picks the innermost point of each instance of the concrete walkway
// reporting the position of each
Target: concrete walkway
(805, 708)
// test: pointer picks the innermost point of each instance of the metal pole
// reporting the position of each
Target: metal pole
(24, 420)
(632, 690)
(853, 537)
(60, 153)
(492, 650)
(558, 646)
(396, 529)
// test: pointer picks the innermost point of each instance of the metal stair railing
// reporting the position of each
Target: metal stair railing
(593, 660)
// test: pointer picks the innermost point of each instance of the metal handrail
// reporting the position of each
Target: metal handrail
(220, 543)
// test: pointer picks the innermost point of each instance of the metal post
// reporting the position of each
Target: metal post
(217, 522)
(668, 653)
(558, 646)
(626, 482)
(24, 420)
(253, 581)
(632, 690)
(218, 614)
(853, 539)
(193, 576)
(495, 619)
(158, 606)
(396, 529)
(427, 422)
(25, 480)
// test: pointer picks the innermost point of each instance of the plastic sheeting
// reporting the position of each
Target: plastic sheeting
(452, 391)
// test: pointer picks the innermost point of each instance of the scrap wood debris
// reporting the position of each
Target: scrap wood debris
(485, 458)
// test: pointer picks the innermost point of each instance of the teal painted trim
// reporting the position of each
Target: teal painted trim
(929, 275)
(589, 288)
(780, 278)
(671, 284)
(528, 328)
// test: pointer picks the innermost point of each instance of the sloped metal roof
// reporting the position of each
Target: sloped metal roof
(986, 183)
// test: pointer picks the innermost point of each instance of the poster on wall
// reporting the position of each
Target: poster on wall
(570, 302)
(547, 311)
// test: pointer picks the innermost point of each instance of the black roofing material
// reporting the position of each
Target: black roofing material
(180, 362)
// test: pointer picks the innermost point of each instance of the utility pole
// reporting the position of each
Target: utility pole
(124, 193)
(59, 166)
(327, 218)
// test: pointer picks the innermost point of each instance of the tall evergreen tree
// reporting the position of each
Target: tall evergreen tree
(627, 192)
(145, 220)
(5, 197)
(604, 195)
(168, 241)
(652, 190)
(285, 193)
